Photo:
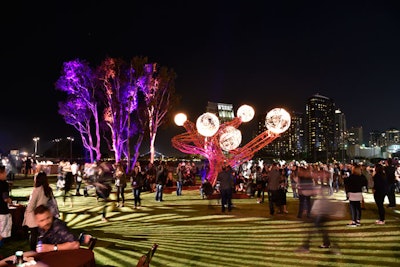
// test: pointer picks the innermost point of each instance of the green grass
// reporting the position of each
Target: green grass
(191, 231)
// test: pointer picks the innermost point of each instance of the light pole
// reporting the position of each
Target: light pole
(36, 140)
(70, 139)
(57, 140)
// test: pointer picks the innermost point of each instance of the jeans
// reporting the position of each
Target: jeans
(136, 196)
(178, 188)
(355, 210)
(159, 192)
(121, 193)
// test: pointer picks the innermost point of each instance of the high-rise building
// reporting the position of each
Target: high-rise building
(355, 136)
(222, 110)
(340, 140)
(320, 125)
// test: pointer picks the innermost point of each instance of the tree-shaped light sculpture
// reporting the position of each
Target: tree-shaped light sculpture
(219, 143)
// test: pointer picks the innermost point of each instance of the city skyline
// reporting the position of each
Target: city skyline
(262, 54)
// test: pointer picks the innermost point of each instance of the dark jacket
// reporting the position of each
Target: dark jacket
(355, 183)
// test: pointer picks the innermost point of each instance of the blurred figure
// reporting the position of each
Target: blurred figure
(380, 190)
(322, 210)
(79, 179)
(103, 187)
(68, 182)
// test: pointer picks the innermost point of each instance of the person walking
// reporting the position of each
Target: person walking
(40, 195)
(179, 180)
(120, 184)
(137, 182)
(354, 184)
(5, 215)
(226, 186)
(380, 190)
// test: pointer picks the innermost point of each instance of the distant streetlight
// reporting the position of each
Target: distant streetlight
(36, 140)
(70, 139)
(57, 140)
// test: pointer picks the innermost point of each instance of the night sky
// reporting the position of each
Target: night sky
(262, 53)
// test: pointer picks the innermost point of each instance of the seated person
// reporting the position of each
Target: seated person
(206, 189)
(54, 233)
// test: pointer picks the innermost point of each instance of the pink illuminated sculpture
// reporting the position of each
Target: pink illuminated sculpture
(219, 143)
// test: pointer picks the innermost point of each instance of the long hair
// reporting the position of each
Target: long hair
(380, 169)
(41, 180)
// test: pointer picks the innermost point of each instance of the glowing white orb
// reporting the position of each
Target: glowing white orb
(246, 113)
(277, 120)
(207, 124)
(230, 138)
(180, 119)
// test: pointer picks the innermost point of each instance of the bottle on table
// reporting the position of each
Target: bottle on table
(19, 258)
(39, 245)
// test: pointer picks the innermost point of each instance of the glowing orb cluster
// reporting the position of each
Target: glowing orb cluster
(230, 138)
(245, 113)
(277, 120)
(180, 119)
(207, 124)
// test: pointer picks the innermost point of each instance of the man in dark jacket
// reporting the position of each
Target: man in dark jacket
(226, 185)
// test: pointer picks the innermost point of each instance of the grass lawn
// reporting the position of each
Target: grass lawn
(191, 231)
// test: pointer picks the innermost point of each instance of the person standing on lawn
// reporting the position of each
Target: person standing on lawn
(226, 186)
(380, 190)
(5, 215)
(276, 197)
(354, 184)
(137, 182)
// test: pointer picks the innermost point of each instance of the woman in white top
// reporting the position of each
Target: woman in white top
(40, 195)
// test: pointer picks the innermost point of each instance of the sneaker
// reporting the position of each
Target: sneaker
(353, 224)
(358, 223)
(380, 222)
(324, 246)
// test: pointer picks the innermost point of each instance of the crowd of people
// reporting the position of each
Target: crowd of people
(306, 181)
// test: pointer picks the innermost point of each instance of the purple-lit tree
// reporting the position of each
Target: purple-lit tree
(159, 88)
(129, 95)
(120, 91)
(80, 109)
